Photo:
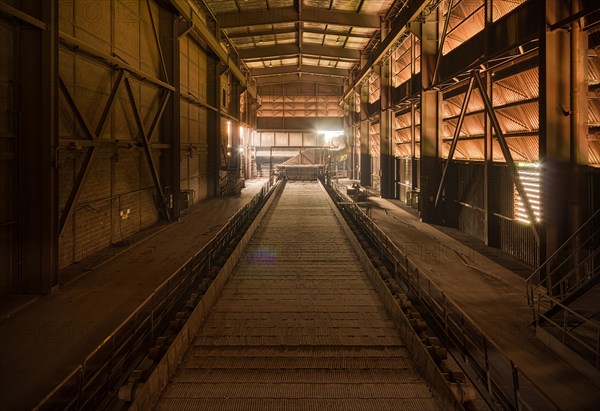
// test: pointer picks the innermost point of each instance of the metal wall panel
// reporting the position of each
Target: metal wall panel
(8, 161)
(193, 118)
(516, 238)
(470, 197)
(117, 198)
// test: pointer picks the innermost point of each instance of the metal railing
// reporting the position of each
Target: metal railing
(102, 371)
(500, 377)
(585, 341)
(570, 267)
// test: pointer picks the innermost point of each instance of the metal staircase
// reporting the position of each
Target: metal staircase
(564, 293)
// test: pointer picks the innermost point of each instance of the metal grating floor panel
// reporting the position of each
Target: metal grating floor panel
(297, 376)
(298, 326)
(180, 404)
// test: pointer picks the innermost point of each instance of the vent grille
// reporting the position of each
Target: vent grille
(529, 175)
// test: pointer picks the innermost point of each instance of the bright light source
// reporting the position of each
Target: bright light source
(330, 135)
(241, 149)
(529, 174)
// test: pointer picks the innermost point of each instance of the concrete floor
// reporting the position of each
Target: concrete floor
(492, 295)
(44, 341)
(298, 326)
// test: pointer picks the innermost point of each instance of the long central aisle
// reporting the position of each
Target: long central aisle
(298, 326)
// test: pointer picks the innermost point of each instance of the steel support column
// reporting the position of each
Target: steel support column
(214, 125)
(38, 266)
(349, 136)
(365, 125)
(413, 119)
(579, 195)
(386, 131)
(431, 121)
(491, 200)
(491, 225)
(170, 30)
(563, 146)
(431, 152)
(235, 157)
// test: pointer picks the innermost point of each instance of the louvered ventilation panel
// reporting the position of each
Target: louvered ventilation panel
(530, 177)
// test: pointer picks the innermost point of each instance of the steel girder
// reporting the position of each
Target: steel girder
(293, 15)
(145, 138)
(306, 69)
(294, 49)
(92, 134)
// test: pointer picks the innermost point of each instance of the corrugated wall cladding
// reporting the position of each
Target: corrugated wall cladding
(119, 179)
(516, 238)
(464, 188)
(470, 191)
(8, 163)
(464, 193)
(193, 118)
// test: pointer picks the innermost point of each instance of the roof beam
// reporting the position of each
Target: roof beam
(206, 34)
(290, 15)
(326, 71)
(293, 49)
(245, 34)
(398, 25)
(303, 78)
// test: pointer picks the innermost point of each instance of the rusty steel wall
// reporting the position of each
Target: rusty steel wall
(194, 118)
(470, 191)
(9, 175)
(118, 196)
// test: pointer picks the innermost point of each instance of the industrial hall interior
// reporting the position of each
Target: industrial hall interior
(300, 205)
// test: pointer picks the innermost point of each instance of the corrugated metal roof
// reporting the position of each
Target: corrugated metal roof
(272, 34)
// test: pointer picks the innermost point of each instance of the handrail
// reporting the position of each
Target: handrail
(565, 331)
(568, 276)
(531, 286)
(502, 379)
(562, 247)
(152, 313)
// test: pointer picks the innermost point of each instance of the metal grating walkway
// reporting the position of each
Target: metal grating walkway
(298, 326)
